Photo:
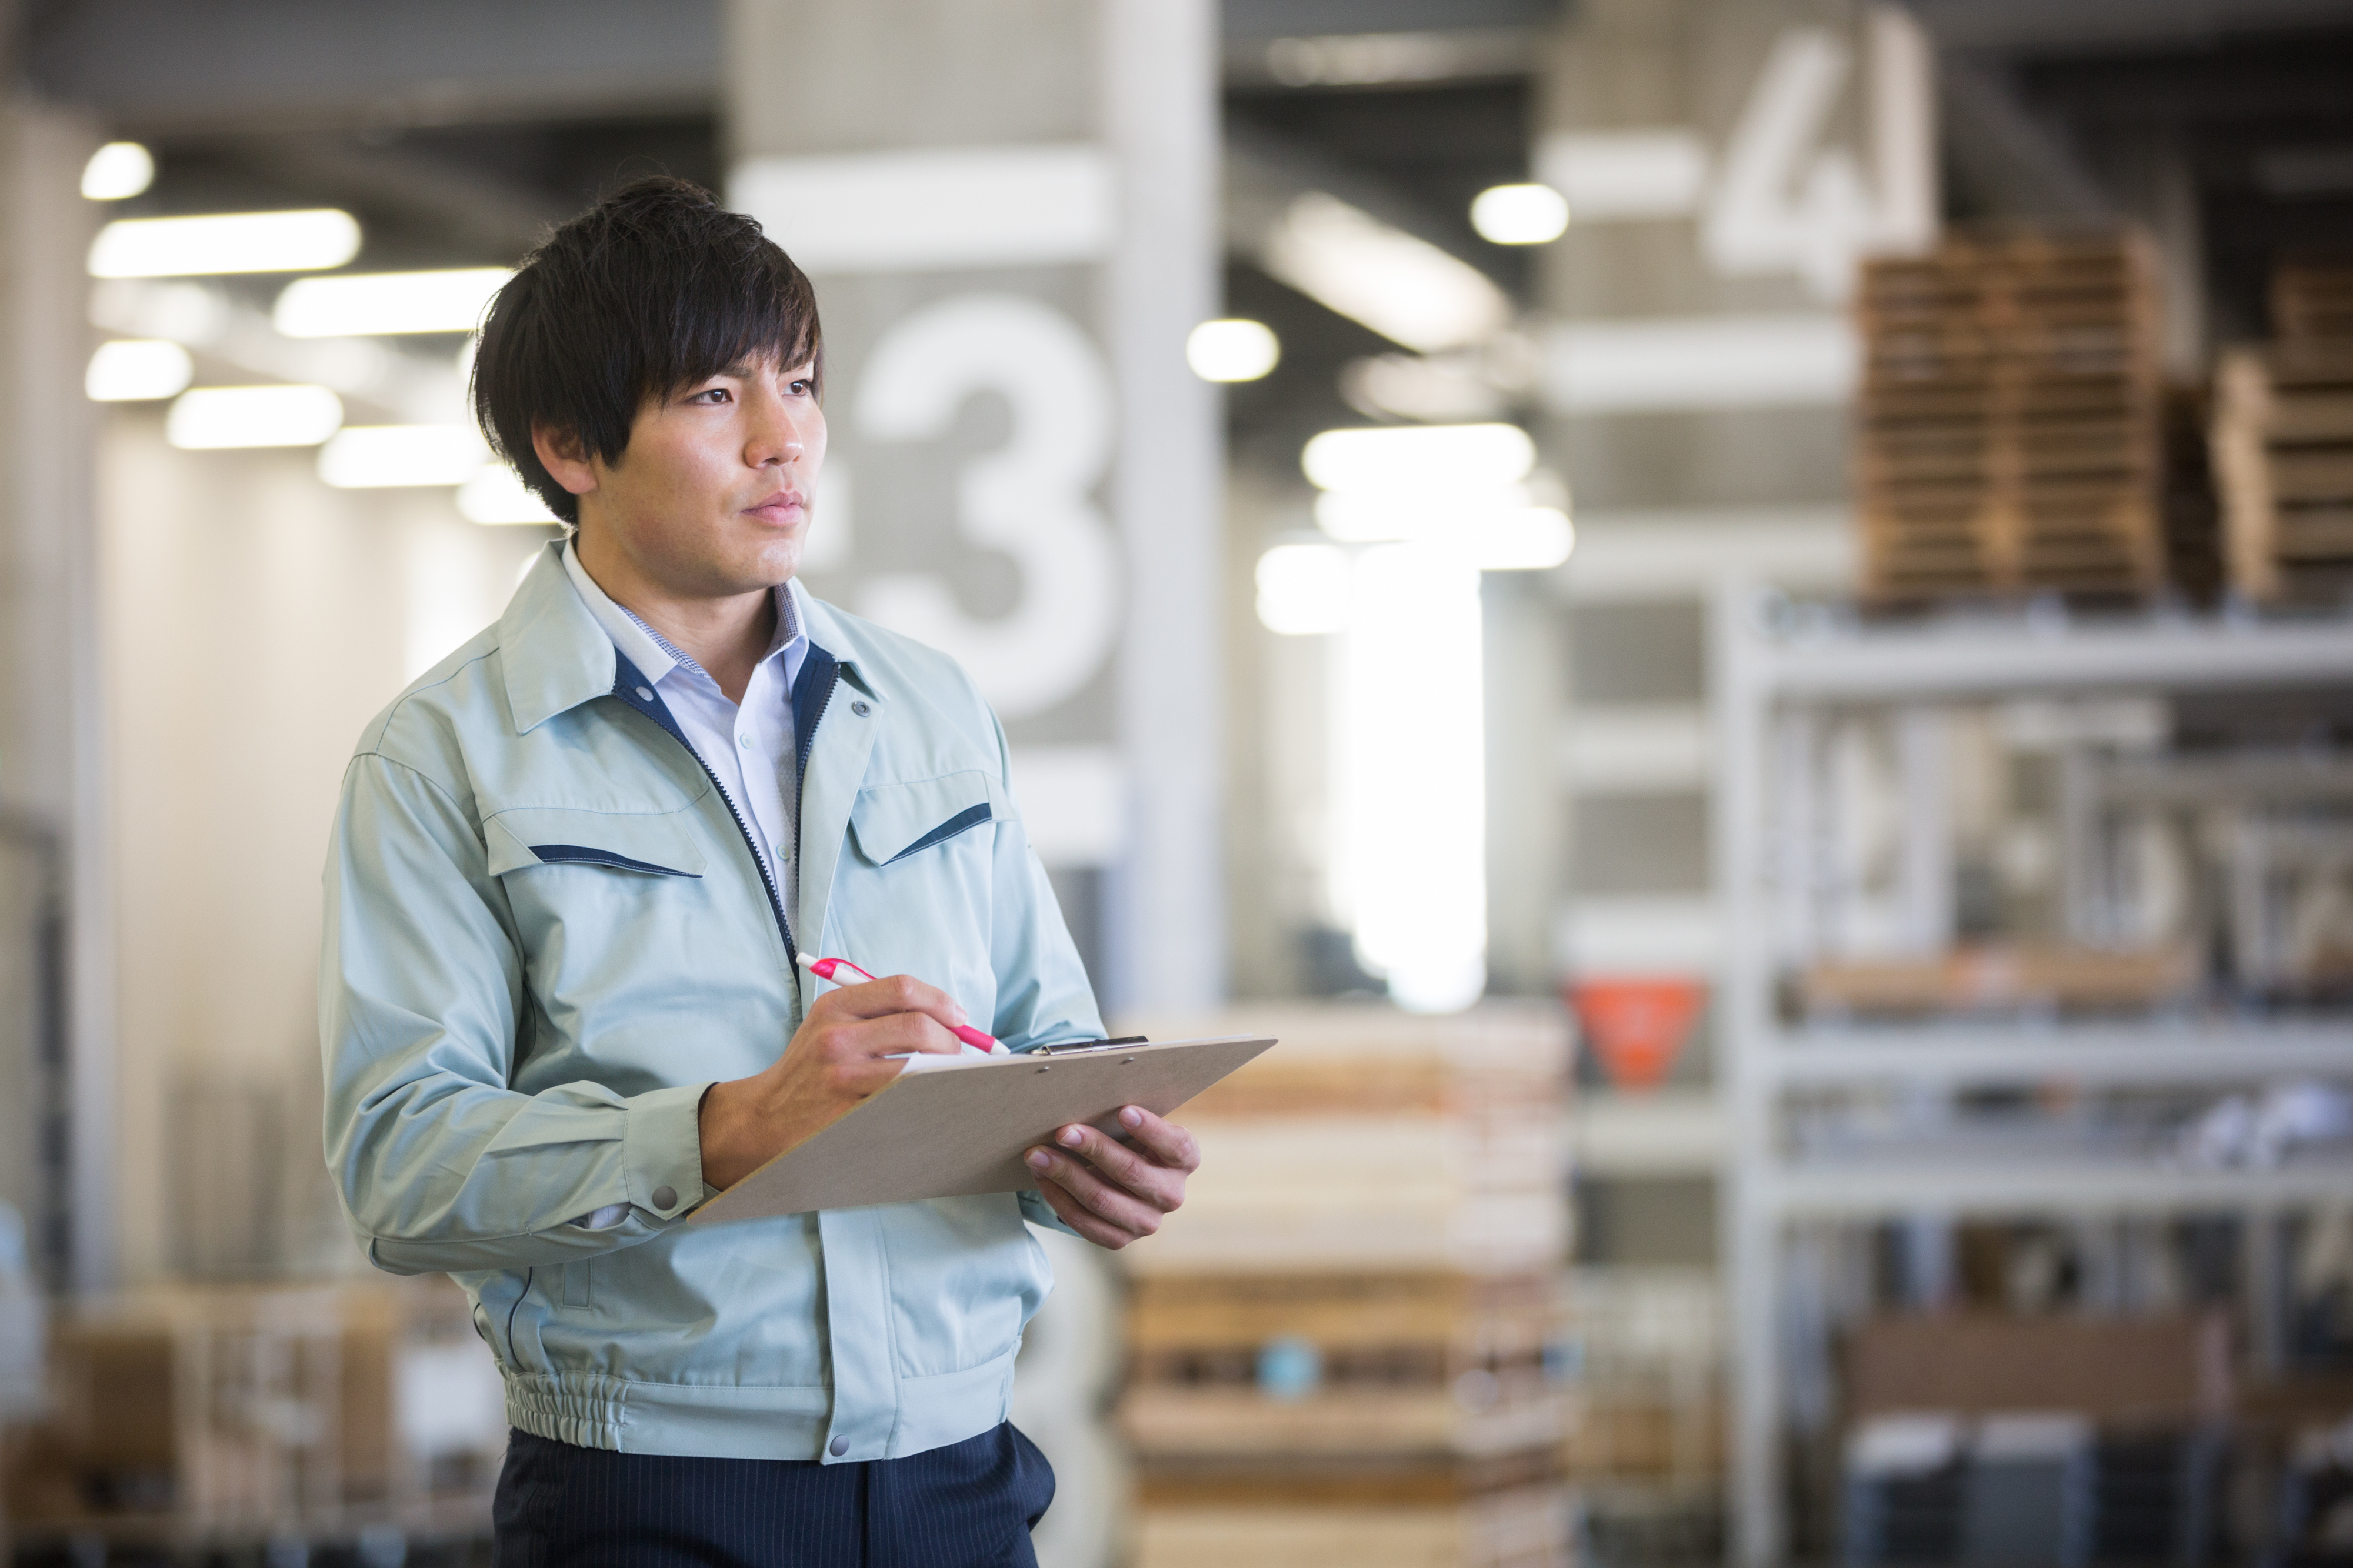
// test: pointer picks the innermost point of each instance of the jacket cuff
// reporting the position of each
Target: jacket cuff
(1038, 1211)
(661, 1151)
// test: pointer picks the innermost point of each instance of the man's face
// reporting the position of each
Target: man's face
(712, 497)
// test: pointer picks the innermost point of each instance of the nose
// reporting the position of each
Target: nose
(775, 436)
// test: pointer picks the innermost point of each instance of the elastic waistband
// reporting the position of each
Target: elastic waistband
(591, 1410)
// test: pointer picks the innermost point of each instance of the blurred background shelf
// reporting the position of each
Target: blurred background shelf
(1965, 1052)
(1947, 1053)
(1988, 1188)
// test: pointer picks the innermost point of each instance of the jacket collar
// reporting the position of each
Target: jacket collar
(557, 655)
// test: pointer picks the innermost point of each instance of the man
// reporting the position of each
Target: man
(574, 867)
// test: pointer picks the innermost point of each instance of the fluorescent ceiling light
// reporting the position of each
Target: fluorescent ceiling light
(1449, 458)
(496, 494)
(1519, 215)
(137, 370)
(1449, 389)
(116, 170)
(195, 315)
(372, 457)
(1374, 517)
(1231, 350)
(1405, 289)
(1499, 531)
(367, 304)
(1302, 589)
(1533, 539)
(215, 416)
(225, 242)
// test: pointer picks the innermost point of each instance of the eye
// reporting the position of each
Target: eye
(803, 387)
(712, 397)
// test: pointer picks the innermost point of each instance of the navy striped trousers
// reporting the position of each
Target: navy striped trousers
(969, 1505)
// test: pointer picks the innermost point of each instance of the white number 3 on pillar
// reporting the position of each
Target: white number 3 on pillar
(1029, 497)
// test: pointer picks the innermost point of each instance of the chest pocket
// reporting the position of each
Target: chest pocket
(891, 822)
(654, 844)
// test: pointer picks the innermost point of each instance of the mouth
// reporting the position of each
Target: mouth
(780, 510)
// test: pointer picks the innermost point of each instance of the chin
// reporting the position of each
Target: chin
(767, 568)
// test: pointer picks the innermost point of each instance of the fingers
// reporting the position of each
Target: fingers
(1083, 1220)
(1106, 1215)
(893, 994)
(1167, 1144)
(1160, 1185)
(888, 1017)
(1113, 1182)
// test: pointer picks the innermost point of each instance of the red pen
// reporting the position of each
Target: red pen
(823, 969)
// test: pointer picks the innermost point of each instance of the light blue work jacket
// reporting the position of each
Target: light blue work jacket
(546, 935)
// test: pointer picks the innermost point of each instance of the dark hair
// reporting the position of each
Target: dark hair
(654, 288)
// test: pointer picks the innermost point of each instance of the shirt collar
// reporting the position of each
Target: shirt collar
(655, 655)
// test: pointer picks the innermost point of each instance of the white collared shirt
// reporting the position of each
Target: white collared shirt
(747, 746)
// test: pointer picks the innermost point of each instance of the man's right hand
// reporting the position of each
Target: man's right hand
(838, 1058)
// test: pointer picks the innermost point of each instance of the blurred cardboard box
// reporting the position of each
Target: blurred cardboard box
(2168, 1370)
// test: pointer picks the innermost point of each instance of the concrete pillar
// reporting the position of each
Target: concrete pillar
(52, 796)
(1727, 164)
(1008, 211)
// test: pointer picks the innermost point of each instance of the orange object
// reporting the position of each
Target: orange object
(1636, 1027)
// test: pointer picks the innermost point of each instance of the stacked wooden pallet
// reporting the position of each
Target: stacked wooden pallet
(2313, 301)
(2283, 438)
(2010, 423)
(215, 1419)
(1338, 1348)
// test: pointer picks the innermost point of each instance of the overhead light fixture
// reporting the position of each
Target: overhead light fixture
(496, 494)
(138, 370)
(1302, 589)
(116, 170)
(1532, 539)
(1440, 389)
(1403, 288)
(1520, 215)
(1500, 531)
(302, 241)
(376, 456)
(1232, 350)
(368, 304)
(1423, 458)
(195, 315)
(220, 416)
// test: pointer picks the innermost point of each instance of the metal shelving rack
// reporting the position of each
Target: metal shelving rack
(1770, 662)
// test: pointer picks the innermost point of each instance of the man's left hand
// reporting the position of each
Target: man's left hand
(1111, 1193)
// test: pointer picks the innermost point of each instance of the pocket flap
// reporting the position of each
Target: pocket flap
(659, 844)
(893, 821)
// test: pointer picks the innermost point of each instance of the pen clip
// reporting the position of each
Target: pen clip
(1074, 1046)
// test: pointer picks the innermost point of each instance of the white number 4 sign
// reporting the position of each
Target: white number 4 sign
(1783, 201)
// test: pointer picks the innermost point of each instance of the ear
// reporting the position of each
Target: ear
(566, 456)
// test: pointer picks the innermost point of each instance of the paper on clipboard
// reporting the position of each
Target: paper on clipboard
(959, 1124)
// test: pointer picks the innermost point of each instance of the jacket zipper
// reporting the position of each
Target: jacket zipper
(775, 901)
(628, 676)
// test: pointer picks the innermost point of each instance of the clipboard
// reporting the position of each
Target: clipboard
(960, 1124)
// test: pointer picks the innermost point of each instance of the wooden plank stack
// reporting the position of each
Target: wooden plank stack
(1338, 1348)
(215, 1419)
(2010, 431)
(2283, 444)
(2313, 301)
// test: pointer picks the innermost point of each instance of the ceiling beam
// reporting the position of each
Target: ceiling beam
(159, 67)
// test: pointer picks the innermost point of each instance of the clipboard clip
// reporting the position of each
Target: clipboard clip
(1075, 1047)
